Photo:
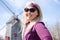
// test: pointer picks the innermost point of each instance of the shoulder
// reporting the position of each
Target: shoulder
(39, 25)
(42, 31)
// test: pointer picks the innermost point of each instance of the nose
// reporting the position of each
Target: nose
(29, 12)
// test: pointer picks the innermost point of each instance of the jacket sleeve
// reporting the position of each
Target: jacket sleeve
(42, 32)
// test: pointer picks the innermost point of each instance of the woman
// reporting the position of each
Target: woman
(33, 27)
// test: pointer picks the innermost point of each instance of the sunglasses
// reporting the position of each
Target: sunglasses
(31, 9)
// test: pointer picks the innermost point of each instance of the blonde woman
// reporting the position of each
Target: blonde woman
(33, 27)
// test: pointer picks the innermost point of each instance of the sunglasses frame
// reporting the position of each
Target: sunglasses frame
(31, 9)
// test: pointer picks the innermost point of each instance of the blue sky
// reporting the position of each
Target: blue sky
(50, 10)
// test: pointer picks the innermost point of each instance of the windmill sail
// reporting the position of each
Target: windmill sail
(13, 26)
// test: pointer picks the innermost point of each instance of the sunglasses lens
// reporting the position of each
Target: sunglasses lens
(32, 10)
(26, 9)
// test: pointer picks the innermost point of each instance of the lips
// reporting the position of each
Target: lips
(28, 15)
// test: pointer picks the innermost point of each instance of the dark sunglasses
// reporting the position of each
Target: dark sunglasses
(31, 9)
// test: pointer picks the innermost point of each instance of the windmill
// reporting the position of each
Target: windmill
(13, 26)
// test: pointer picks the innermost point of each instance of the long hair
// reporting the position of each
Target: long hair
(38, 18)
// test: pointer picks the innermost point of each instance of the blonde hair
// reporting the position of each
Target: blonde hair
(38, 18)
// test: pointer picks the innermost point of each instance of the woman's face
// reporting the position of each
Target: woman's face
(30, 13)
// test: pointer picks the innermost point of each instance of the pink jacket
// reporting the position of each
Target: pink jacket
(38, 32)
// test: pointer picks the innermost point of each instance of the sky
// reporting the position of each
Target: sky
(50, 10)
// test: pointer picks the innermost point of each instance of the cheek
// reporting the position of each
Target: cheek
(25, 13)
(34, 15)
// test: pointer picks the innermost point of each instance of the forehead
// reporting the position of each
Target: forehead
(29, 6)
